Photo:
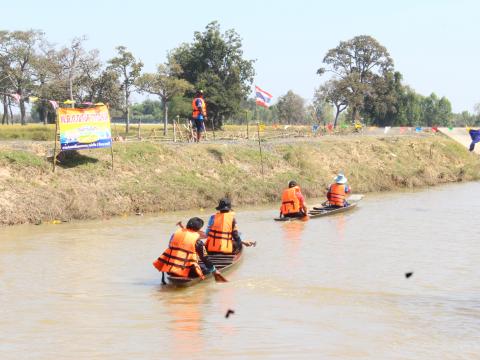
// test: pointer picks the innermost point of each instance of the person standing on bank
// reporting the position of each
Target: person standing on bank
(293, 202)
(199, 113)
(222, 231)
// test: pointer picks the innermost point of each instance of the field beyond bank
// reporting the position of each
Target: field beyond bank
(152, 177)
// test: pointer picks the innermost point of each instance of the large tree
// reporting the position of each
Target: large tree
(358, 62)
(128, 68)
(214, 63)
(291, 108)
(166, 84)
(18, 50)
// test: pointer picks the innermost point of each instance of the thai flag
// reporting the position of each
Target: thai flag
(263, 98)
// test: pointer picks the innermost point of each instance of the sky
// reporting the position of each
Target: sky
(434, 44)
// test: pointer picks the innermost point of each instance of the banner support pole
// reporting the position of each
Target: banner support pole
(54, 159)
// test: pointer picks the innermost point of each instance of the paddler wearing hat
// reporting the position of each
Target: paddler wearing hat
(337, 192)
(222, 231)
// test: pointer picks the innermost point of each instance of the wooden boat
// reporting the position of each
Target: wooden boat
(329, 210)
(320, 211)
(223, 262)
(291, 218)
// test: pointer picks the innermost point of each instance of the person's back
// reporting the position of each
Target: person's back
(337, 192)
(181, 256)
(222, 231)
(293, 202)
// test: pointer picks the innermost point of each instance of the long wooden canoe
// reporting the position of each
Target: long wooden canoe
(291, 218)
(320, 211)
(222, 262)
(329, 210)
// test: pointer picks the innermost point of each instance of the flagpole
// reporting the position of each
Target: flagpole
(260, 147)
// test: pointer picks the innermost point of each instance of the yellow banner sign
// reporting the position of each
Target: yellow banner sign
(84, 128)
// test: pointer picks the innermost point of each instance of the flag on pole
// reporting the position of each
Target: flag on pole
(262, 97)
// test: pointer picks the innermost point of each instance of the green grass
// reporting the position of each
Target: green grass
(37, 132)
(21, 158)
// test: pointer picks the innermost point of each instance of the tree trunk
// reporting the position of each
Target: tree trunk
(43, 113)
(5, 110)
(70, 86)
(22, 112)
(354, 113)
(165, 117)
(127, 119)
(10, 111)
(336, 117)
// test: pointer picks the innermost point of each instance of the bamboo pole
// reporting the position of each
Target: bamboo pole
(54, 160)
(260, 147)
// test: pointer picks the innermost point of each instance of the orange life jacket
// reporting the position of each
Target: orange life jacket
(336, 195)
(290, 202)
(220, 233)
(198, 110)
(181, 255)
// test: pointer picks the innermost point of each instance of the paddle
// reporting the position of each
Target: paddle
(216, 274)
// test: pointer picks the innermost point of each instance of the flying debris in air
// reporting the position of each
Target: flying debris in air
(408, 274)
(230, 311)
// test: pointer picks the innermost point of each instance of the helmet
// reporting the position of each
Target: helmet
(292, 183)
(199, 92)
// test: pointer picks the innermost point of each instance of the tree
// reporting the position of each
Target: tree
(322, 110)
(128, 68)
(96, 83)
(358, 63)
(165, 84)
(291, 108)
(47, 72)
(335, 92)
(382, 104)
(70, 58)
(18, 49)
(214, 63)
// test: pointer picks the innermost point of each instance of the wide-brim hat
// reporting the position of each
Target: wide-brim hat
(224, 204)
(340, 179)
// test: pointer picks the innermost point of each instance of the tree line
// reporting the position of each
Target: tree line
(360, 83)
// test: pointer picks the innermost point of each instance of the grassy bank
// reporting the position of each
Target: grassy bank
(163, 177)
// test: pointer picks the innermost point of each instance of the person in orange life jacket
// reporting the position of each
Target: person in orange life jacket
(293, 202)
(184, 250)
(222, 231)
(337, 192)
(199, 113)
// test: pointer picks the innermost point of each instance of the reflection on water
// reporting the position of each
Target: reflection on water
(327, 288)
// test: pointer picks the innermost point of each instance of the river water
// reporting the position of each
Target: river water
(328, 288)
